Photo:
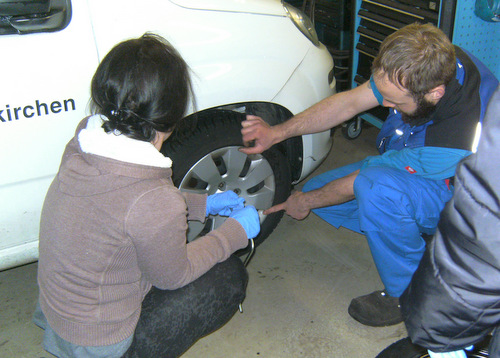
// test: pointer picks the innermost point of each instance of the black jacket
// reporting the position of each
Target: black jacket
(453, 300)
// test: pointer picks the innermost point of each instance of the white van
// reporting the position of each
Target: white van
(254, 56)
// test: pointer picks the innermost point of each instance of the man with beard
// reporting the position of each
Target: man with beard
(437, 94)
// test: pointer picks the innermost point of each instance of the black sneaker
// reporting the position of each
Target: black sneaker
(377, 309)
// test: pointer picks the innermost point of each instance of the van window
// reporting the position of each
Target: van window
(29, 16)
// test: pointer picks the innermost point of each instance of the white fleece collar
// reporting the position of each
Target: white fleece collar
(94, 140)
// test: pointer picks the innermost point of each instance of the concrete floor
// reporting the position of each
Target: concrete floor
(302, 279)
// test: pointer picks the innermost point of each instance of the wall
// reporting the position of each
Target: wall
(479, 37)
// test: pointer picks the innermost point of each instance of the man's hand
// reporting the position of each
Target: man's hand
(300, 204)
(257, 133)
(295, 206)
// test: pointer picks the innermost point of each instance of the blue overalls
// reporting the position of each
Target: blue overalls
(401, 193)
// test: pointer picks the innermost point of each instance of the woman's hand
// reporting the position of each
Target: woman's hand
(224, 203)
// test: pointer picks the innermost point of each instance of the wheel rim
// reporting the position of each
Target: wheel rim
(250, 176)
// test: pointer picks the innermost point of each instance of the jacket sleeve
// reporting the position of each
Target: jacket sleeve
(429, 162)
(196, 206)
(453, 299)
(157, 226)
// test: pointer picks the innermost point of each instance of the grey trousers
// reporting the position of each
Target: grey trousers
(172, 321)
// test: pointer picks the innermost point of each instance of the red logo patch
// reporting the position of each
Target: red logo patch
(410, 170)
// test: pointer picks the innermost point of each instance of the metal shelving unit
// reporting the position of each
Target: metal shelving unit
(373, 20)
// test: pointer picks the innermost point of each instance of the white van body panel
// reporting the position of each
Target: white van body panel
(238, 51)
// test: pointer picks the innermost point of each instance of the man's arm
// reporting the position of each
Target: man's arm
(324, 115)
(299, 204)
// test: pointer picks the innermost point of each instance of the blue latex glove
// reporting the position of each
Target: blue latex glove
(249, 219)
(223, 203)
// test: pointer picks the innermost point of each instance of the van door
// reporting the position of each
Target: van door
(48, 58)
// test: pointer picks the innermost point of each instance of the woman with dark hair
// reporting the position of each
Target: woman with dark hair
(116, 275)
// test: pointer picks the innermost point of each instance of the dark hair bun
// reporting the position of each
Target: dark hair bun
(142, 86)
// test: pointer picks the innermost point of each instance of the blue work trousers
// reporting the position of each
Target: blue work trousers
(392, 209)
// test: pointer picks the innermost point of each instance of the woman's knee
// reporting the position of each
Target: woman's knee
(234, 272)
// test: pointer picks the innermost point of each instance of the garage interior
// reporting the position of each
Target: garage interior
(303, 277)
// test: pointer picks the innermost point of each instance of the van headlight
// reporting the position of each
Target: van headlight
(303, 23)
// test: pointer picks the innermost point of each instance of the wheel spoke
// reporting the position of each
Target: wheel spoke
(259, 171)
(218, 220)
(262, 199)
(235, 161)
(207, 171)
(195, 227)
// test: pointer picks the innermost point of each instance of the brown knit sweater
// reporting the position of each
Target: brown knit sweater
(111, 229)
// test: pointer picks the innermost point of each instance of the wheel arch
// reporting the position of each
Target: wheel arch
(273, 114)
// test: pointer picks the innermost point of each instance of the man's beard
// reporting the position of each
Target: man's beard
(421, 115)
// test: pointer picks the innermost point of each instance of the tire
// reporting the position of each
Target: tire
(404, 348)
(207, 160)
(352, 129)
